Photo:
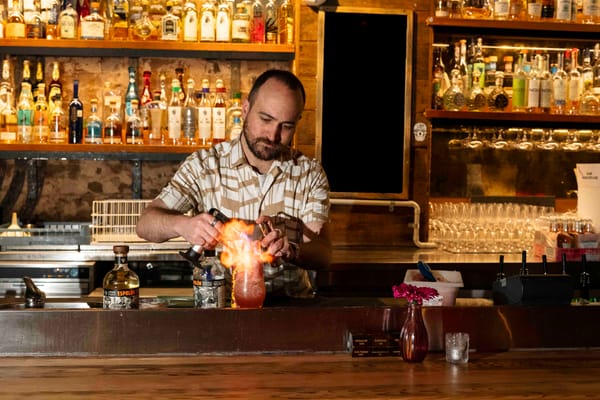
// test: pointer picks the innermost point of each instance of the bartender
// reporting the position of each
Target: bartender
(257, 177)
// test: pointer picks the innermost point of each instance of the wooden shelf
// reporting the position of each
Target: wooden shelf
(515, 118)
(155, 48)
(545, 25)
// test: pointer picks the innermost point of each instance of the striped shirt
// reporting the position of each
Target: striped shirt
(294, 189)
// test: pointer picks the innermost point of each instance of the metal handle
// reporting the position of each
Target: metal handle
(194, 253)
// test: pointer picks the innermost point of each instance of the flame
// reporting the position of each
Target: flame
(239, 250)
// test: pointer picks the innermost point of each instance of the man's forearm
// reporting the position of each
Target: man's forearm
(158, 224)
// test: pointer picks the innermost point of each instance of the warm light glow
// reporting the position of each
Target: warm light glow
(239, 249)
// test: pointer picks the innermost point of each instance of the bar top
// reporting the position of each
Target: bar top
(555, 374)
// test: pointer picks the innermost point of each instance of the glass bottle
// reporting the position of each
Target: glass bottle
(39, 78)
(589, 12)
(68, 22)
(55, 87)
(560, 82)
(58, 124)
(156, 12)
(271, 19)
(498, 99)
(204, 115)
(519, 85)
(26, 75)
(587, 71)
(133, 132)
(476, 9)
(132, 92)
(501, 9)
(479, 62)
(6, 85)
(516, 11)
(40, 116)
(414, 340)
(208, 21)
(476, 99)
(533, 87)
(113, 129)
(190, 22)
(144, 28)
(15, 23)
(574, 92)
(182, 92)
(564, 9)
(234, 117)
(110, 94)
(223, 23)
(440, 81)
(146, 96)
(50, 12)
(119, 24)
(93, 125)
(590, 104)
(8, 121)
(170, 24)
(76, 115)
(219, 111)
(545, 84)
(25, 114)
(257, 26)
(240, 25)
(534, 10)
(93, 25)
(285, 25)
(135, 14)
(121, 285)
(189, 118)
(35, 25)
(157, 110)
(174, 114)
(454, 99)
(83, 8)
(547, 9)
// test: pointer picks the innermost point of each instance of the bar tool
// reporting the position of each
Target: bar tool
(34, 297)
(194, 253)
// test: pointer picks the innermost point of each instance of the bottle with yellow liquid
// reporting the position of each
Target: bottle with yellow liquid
(121, 285)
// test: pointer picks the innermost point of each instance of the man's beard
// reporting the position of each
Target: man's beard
(272, 151)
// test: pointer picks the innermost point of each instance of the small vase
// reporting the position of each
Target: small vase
(414, 342)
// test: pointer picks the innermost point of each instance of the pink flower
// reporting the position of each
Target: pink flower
(414, 294)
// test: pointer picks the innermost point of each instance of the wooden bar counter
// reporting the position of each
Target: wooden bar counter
(531, 374)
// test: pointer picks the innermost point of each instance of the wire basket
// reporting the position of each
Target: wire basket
(115, 220)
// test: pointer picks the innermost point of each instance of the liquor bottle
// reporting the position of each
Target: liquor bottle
(240, 25)
(223, 23)
(8, 121)
(93, 132)
(109, 95)
(15, 23)
(533, 87)
(58, 124)
(143, 28)
(6, 85)
(476, 99)
(589, 104)
(156, 12)
(463, 67)
(501, 9)
(174, 114)
(76, 115)
(476, 9)
(119, 24)
(157, 110)
(219, 113)
(204, 115)
(545, 85)
(587, 71)
(55, 88)
(498, 99)
(560, 82)
(40, 116)
(68, 22)
(51, 11)
(235, 121)
(26, 75)
(169, 24)
(35, 26)
(516, 11)
(574, 91)
(121, 285)
(519, 98)
(132, 92)
(39, 78)
(113, 129)
(182, 93)
(285, 25)
(534, 10)
(479, 62)
(146, 96)
(271, 19)
(564, 9)
(190, 23)
(208, 22)
(257, 26)
(93, 25)
(135, 14)
(589, 12)
(584, 280)
(547, 9)
(25, 114)
(83, 8)
(454, 99)
(133, 131)
(189, 116)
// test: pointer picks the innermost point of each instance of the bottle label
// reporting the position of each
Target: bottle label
(68, 28)
(92, 30)
(218, 117)
(223, 27)
(190, 27)
(121, 299)
(207, 27)
(204, 122)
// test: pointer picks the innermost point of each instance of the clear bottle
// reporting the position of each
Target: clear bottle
(476, 99)
(146, 96)
(15, 23)
(545, 85)
(516, 11)
(560, 85)
(144, 28)
(182, 92)
(68, 22)
(51, 11)
(587, 71)
(498, 99)
(240, 25)
(533, 87)
(257, 25)
(189, 116)
(454, 99)
(223, 23)
(54, 88)
(519, 86)
(157, 110)
(190, 22)
(58, 124)
(564, 10)
(132, 92)
(76, 115)
(204, 106)
(26, 75)
(439, 82)
(35, 25)
(133, 131)
(110, 94)
(156, 12)
(40, 116)
(219, 113)
(234, 117)
(574, 101)
(208, 22)
(113, 128)
(93, 125)
(39, 78)
(590, 12)
(119, 24)
(121, 285)
(170, 29)
(25, 114)
(271, 32)
(501, 9)
(534, 10)
(6, 85)
(93, 25)
(285, 25)
(8, 121)
(174, 115)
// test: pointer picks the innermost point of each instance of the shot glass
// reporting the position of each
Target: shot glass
(457, 347)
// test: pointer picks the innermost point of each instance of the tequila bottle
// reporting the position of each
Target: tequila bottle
(35, 25)
(208, 22)
(15, 23)
(121, 285)
(189, 116)
(560, 82)
(132, 92)
(234, 117)
(93, 125)
(454, 99)
(174, 114)
(573, 103)
(476, 99)
(58, 124)
(190, 22)
(133, 132)
(498, 99)
(68, 22)
(240, 25)
(156, 12)
(545, 84)
(223, 23)
(257, 26)
(204, 115)
(219, 111)
(25, 114)
(8, 121)
(271, 22)
(533, 87)
(113, 129)
(170, 25)
(157, 110)
(76, 115)
(144, 28)
(285, 25)
(55, 88)
(40, 116)
(119, 25)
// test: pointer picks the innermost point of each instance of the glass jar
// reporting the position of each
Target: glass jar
(476, 9)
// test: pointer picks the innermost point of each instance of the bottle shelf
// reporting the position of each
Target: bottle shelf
(97, 151)
(155, 48)
(515, 118)
(507, 25)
